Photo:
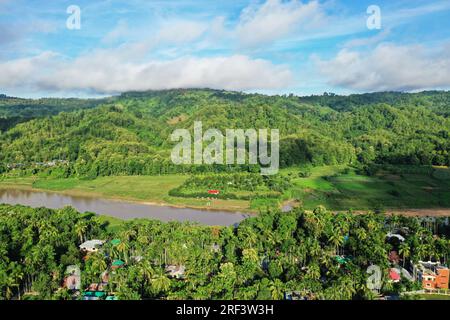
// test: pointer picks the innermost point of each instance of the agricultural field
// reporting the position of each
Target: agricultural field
(340, 189)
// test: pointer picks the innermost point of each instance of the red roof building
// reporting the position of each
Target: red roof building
(214, 192)
(394, 275)
(436, 280)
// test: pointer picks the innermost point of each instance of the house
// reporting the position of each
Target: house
(435, 279)
(176, 271)
(214, 192)
(91, 245)
(395, 235)
(115, 242)
(105, 277)
(342, 260)
(94, 295)
(215, 247)
(432, 275)
(73, 278)
(394, 275)
(137, 258)
(298, 295)
(72, 283)
(117, 264)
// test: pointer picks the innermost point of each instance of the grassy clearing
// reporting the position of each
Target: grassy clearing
(152, 189)
(433, 297)
(143, 188)
(340, 190)
(111, 222)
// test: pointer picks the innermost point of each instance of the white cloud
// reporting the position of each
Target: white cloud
(368, 41)
(171, 33)
(389, 67)
(181, 31)
(103, 72)
(117, 33)
(275, 19)
(16, 73)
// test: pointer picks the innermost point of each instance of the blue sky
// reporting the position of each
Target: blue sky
(268, 46)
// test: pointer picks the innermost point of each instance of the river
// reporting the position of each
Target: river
(119, 209)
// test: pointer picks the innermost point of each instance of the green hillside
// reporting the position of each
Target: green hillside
(129, 134)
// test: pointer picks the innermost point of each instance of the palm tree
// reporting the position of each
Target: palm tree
(80, 229)
(160, 282)
(122, 249)
(128, 234)
(404, 251)
(9, 284)
(361, 234)
(421, 250)
(98, 263)
(146, 272)
(17, 276)
(336, 239)
(313, 271)
(248, 237)
(277, 289)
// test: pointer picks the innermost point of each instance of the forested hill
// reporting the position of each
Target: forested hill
(129, 134)
(16, 110)
(438, 101)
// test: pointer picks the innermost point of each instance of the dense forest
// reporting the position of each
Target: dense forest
(130, 134)
(317, 254)
(16, 110)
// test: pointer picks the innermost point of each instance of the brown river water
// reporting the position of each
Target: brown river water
(119, 209)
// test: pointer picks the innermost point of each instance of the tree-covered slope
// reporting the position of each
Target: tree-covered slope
(16, 110)
(129, 134)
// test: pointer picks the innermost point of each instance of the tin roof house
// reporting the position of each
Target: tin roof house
(91, 245)
(176, 271)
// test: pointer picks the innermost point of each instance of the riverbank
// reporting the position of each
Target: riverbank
(338, 188)
(147, 190)
(123, 210)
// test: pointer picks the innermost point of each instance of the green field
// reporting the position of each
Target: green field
(335, 187)
(340, 189)
(152, 189)
(433, 297)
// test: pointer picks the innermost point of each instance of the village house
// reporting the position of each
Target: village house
(91, 245)
(432, 275)
(117, 264)
(72, 281)
(394, 275)
(176, 271)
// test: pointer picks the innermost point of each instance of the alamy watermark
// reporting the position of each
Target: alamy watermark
(235, 140)
(374, 20)
(73, 22)
(374, 281)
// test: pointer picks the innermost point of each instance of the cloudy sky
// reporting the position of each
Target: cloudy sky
(269, 46)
